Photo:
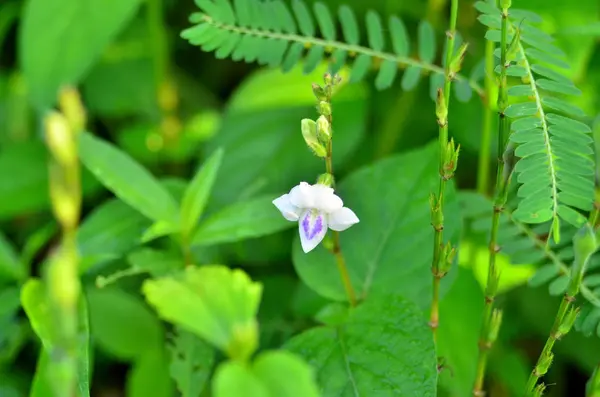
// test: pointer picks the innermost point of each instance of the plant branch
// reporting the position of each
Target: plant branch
(332, 45)
(448, 157)
(489, 327)
(483, 169)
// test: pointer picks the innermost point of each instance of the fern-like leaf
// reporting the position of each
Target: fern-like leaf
(555, 168)
(526, 245)
(270, 33)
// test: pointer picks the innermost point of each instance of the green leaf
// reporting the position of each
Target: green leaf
(214, 302)
(198, 191)
(544, 274)
(247, 219)
(191, 363)
(11, 268)
(127, 179)
(314, 57)
(149, 375)
(373, 264)
(261, 128)
(305, 22)
(325, 21)
(426, 42)
(400, 40)
(360, 67)
(61, 39)
(546, 58)
(36, 305)
(559, 88)
(272, 374)
(349, 25)
(521, 109)
(155, 262)
(562, 106)
(374, 31)
(109, 232)
(385, 345)
(387, 75)
(410, 79)
(121, 324)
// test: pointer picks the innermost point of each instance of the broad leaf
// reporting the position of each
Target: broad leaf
(127, 179)
(214, 302)
(121, 324)
(384, 346)
(197, 193)
(272, 374)
(391, 199)
(192, 360)
(61, 39)
(253, 218)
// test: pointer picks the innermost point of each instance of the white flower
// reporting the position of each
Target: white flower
(315, 207)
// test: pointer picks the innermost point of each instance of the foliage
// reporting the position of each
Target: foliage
(141, 252)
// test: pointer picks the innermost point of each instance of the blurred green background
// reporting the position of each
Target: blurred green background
(168, 105)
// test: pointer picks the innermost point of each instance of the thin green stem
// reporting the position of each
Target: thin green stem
(502, 182)
(483, 169)
(158, 37)
(331, 45)
(445, 162)
(552, 338)
(337, 248)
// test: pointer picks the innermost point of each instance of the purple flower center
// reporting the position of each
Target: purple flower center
(317, 227)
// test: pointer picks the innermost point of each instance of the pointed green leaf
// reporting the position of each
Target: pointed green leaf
(338, 60)
(375, 30)
(546, 58)
(127, 179)
(243, 11)
(198, 191)
(560, 88)
(550, 73)
(426, 42)
(520, 90)
(292, 57)
(284, 16)
(349, 25)
(562, 106)
(387, 74)
(543, 275)
(360, 67)
(521, 109)
(564, 122)
(559, 285)
(305, 21)
(314, 57)
(325, 21)
(400, 40)
(410, 78)
(247, 219)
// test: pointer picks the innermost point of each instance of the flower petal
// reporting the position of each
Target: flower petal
(342, 219)
(313, 227)
(288, 210)
(302, 196)
(325, 199)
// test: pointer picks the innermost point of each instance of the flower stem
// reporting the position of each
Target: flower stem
(337, 249)
(483, 168)
(447, 165)
(488, 329)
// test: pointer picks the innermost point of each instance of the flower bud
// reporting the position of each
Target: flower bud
(319, 92)
(543, 364)
(505, 4)
(494, 328)
(64, 204)
(538, 391)
(441, 111)
(327, 78)
(567, 322)
(323, 129)
(456, 63)
(72, 108)
(309, 133)
(450, 159)
(60, 139)
(325, 179)
(448, 255)
(324, 108)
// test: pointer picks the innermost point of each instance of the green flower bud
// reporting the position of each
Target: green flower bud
(324, 108)
(323, 129)
(441, 111)
(567, 322)
(60, 140)
(309, 133)
(544, 363)
(456, 63)
(319, 92)
(325, 179)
